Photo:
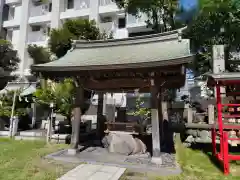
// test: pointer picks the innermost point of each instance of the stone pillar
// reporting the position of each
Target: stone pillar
(79, 100)
(211, 114)
(156, 147)
(33, 106)
(49, 129)
(219, 62)
(189, 115)
(57, 8)
(23, 37)
(15, 126)
(94, 10)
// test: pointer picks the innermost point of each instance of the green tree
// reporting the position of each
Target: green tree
(160, 13)
(60, 41)
(61, 94)
(217, 22)
(39, 54)
(8, 57)
(142, 113)
(140, 110)
(6, 101)
(8, 62)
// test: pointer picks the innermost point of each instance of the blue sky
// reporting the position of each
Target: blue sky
(188, 4)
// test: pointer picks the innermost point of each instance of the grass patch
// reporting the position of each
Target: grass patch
(196, 165)
(23, 160)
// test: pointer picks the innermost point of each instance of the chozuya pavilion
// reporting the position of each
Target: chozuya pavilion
(149, 63)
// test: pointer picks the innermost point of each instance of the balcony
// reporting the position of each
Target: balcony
(106, 2)
(38, 38)
(11, 23)
(82, 4)
(72, 13)
(40, 14)
(108, 6)
(80, 9)
(133, 21)
(12, 1)
(137, 24)
(107, 27)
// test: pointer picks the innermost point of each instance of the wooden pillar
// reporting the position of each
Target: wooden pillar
(156, 148)
(160, 115)
(79, 101)
(100, 117)
(104, 103)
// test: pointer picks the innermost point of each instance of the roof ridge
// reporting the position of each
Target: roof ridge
(170, 35)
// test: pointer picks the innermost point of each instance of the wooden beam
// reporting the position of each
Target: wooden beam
(121, 73)
(128, 84)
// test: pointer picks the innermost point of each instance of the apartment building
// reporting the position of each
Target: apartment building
(25, 22)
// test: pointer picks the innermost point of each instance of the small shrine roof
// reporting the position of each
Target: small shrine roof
(223, 78)
(136, 52)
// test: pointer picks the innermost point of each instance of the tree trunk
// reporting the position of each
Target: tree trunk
(172, 22)
(156, 25)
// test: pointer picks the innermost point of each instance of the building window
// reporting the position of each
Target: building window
(50, 7)
(36, 28)
(5, 12)
(105, 19)
(121, 23)
(70, 4)
(11, 13)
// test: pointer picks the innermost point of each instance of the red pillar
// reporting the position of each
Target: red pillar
(219, 113)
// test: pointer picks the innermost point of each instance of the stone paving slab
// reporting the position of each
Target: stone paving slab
(101, 156)
(94, 172)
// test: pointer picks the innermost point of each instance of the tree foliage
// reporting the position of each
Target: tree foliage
(61, 39)
(160, 13)
(61, 94)
(8, 56)
(6, 101)
(217, 22)
(39, 54)
(140, 110)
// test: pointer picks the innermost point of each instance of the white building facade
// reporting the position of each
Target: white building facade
(25, 22)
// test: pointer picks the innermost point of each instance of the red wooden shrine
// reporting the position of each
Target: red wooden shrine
(226, 120)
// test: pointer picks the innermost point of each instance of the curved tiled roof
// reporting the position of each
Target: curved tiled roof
(144, 51)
